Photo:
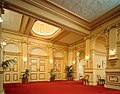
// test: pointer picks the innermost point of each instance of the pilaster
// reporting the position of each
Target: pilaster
(113, 62)
(24, 53)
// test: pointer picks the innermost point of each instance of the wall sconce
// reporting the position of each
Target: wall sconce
(87, 57)
(51, 61)
(24, 59)
(74, 62)
(112, 52)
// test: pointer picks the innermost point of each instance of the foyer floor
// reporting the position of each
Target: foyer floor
(57, 87)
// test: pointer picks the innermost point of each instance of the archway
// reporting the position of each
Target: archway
(11, 51)
(100, 57)
(38, 64)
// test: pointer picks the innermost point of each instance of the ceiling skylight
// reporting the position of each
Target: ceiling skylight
(43, 29)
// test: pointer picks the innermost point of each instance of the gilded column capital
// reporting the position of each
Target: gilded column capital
(114, 25)
(24, 41)
(90, 36)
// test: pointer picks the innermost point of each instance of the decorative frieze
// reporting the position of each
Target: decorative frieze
(114, 25)
(104, 31)
(113, 78)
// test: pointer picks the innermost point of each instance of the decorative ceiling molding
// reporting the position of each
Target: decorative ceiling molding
(41, 14)
(86, 9)
(44, 29)
(47, 6)
(58, 32)
(106, 17)
(12, 20)
(29, 26)
(23, 23)
(44, 11)
(63, 33)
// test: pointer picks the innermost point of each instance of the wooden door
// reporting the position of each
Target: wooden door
(58, 69)
(42, 69)
(33, 69)
(38, 69)
(11, 75)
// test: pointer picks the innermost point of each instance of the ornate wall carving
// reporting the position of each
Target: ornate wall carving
(113, 78)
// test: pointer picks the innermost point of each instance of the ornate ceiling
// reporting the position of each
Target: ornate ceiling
(75, 18)
(44, 29)
(87, 9)
(11, 20)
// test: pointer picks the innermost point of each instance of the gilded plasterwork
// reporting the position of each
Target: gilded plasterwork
(113, 78)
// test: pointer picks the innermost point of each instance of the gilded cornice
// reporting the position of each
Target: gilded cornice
(113, 70)
(47, 6)
(82, 27)
(115, 25)
(58, 58)
(104, 31)
(98, 52)
(11, 53)
(23, 35)
(106, 17)
(11, 5)
(15, 41)
(24, 41)
(77, 42)
(38, 56)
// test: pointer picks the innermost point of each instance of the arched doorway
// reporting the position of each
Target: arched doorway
(100, 58)
(11, 75)
(38, 64)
